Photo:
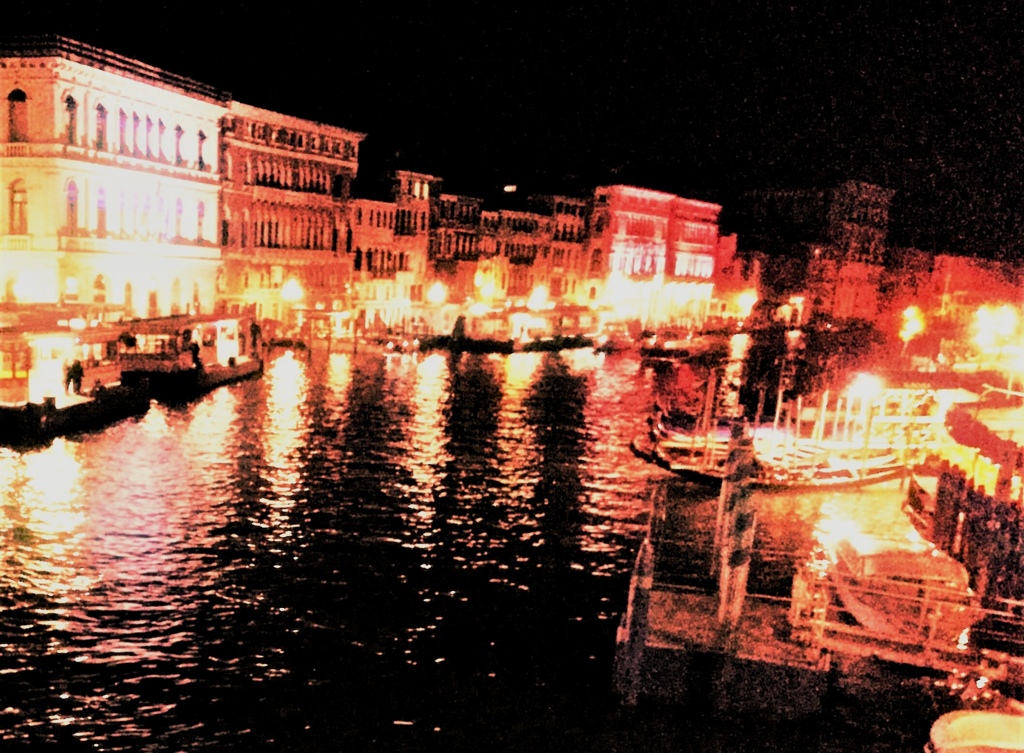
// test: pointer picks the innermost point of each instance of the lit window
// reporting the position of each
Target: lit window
(101, 213)
(101, 127)
(122, 132)
(72, 208)
(19, 205)
(200, 140)
(72, 109)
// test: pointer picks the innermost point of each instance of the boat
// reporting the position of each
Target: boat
(179, 358)
(671, 346)
(614, 338)
(41, 387)
(977, 731)
(904, 590)
(32, 423)
(833, 472)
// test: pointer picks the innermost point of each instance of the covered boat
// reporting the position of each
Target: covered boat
(180, 357)
(904, 590)
(977, 732)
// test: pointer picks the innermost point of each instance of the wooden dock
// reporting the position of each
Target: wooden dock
(781, 656)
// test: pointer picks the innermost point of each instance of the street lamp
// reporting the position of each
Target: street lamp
(913, 325)
(291, 293)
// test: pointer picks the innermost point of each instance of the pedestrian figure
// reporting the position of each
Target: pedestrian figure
(73, 377)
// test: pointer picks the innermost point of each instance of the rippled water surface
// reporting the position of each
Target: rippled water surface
(352, 553)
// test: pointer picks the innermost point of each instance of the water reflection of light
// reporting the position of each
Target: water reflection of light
(52, 477)
(519, 369)
(283, 432)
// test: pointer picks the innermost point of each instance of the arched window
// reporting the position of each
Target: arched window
(153, 305)
(18, 224)
(9, 295)
(200, 140)
(72, 208)
(225, 229)
(122, 132)
(178, 209)
(72, 109)
(200, 221)
(178, 133)
(176, 296)
(195, 297)
(128, 309)
(136, 122)
(17, 116)
(71, 290)
(149, 137)
(101, 213)
(101, 127)
(99, 290)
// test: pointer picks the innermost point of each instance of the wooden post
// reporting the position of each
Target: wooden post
(737, 536)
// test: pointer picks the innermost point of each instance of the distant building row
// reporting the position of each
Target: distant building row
(826, 253)
(131, 191)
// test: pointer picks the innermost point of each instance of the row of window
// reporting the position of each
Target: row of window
(99, 292)
(299, 230)
(138, 137)
(267, 134)
(134, 218)
(293, 175)
(380, 262)
(408, 221)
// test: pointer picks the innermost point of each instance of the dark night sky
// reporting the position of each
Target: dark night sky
(703, 99)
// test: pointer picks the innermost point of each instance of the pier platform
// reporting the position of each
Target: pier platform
(784, 655)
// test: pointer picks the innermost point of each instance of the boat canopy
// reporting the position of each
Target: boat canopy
(872, 557)
(969, 731)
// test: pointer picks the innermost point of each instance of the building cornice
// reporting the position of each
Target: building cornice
(53, 46)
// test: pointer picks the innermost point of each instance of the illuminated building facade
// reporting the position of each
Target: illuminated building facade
(457, 250)
(388, 251)
(561, 263)
(286, 184)
(111, 182)
(520, 238)
(651, 255)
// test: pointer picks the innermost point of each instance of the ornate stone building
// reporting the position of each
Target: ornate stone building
(111, 179)
(456, 252)
(651, 255)
(284, 212)
(561, 263)
(388, 251)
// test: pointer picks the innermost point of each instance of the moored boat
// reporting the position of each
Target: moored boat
(904, 590)
(977, 731)
(56, 382)
(33, 423)
(180, 358)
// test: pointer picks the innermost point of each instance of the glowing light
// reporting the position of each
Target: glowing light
(35, 286)
(292, 291)
(745, 303)
(913, 323)
(866, 386)
(994, 327)
(437, 294)
(538, 298)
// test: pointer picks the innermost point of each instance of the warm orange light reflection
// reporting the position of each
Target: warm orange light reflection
(287, 380)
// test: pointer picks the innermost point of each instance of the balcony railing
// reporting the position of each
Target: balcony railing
(102, 156)
(178, 247)
(15, 242)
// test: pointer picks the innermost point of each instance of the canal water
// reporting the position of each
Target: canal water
(360, 552)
